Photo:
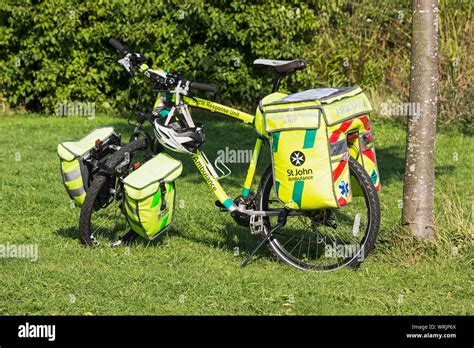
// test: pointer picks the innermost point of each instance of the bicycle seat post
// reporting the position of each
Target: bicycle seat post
(281, 68)
(276, 83)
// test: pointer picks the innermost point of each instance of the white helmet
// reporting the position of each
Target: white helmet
(179, 138)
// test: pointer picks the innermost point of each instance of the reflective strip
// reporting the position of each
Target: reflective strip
(291, 109)
(136, 227)
(70, 176)
(129, 206)
(75, 184)
(77, 192)
(338, 148)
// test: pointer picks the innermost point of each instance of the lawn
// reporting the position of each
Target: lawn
(196, 270)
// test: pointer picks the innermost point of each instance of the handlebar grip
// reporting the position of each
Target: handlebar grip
(203, 87)
(118, 46)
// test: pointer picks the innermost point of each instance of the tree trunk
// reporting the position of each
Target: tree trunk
(418, 191)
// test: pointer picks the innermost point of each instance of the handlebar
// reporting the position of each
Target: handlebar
(118, 46)
(203, 87)
(160, 77)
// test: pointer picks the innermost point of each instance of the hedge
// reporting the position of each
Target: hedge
(56, 50)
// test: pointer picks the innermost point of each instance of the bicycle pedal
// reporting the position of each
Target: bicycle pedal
(256, 224)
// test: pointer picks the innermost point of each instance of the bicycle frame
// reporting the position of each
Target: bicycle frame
(175, 130)
(202, 164)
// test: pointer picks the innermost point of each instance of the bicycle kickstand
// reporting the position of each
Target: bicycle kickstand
(281, 222)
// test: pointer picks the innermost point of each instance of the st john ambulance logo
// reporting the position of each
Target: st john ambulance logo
(297, 158)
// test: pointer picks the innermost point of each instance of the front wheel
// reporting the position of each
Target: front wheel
(101, 213)
(324, 239)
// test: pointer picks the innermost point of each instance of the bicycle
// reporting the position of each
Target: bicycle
(305, 239)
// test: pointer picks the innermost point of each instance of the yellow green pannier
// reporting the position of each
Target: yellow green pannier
(150, 195)
(75, 173)
(309, 147)
(259, 119)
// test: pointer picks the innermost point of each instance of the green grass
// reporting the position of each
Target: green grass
(195, 270)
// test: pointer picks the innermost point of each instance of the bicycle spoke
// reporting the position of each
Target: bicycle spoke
(288, 241)
(320, 238)
(297, 244)
(108, 220)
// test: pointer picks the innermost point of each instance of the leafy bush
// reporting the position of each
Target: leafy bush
(56, 50)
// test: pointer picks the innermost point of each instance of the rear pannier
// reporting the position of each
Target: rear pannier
(310, 148)
(150, 195)
(74, 169)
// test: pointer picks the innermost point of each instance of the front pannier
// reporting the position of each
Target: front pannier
(74, 169)
(150, 195)
(309, 146)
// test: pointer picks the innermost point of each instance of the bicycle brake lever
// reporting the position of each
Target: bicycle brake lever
(126, 63)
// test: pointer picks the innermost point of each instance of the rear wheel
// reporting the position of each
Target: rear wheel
(101, 214)
(325, 239)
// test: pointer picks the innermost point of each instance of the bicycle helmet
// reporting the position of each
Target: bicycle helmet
(178, 137)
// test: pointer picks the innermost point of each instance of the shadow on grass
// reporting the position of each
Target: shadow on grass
(391, 164)
(233, 239)
(74, 233)
(70, 232)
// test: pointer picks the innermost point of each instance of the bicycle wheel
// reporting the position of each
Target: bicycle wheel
(101, 214)
(324, 239)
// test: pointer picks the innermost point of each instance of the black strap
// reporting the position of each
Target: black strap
(163, 195)
(102, 166)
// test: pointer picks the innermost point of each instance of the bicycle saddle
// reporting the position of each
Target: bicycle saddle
(282, 66)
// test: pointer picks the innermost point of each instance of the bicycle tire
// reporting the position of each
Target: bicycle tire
(371, 197)
(99, 181)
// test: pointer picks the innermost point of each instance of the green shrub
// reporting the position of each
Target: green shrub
(56, 50)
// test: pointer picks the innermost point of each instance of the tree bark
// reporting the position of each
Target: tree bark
(418, 191)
